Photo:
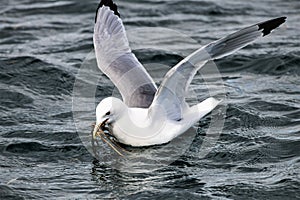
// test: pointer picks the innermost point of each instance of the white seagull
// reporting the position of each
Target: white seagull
(149, 115)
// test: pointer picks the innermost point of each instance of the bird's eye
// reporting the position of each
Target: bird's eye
(108, 113)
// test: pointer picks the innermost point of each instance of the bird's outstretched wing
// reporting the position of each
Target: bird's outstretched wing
(170, 96)
(115, 59)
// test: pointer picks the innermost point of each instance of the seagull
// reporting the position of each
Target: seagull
(149, 115)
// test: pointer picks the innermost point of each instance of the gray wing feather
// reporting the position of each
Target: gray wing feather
(171, 94)
(115, 59)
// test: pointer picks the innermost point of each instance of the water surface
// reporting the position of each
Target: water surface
(43, 46)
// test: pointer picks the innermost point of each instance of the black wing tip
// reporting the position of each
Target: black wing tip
(270, 25)
(110, 4)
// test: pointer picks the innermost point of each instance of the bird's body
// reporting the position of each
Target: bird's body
(149, 115)
(139, 127)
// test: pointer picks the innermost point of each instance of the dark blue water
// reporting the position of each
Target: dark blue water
(44, 44)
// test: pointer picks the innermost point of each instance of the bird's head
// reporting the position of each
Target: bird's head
(108, 111)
